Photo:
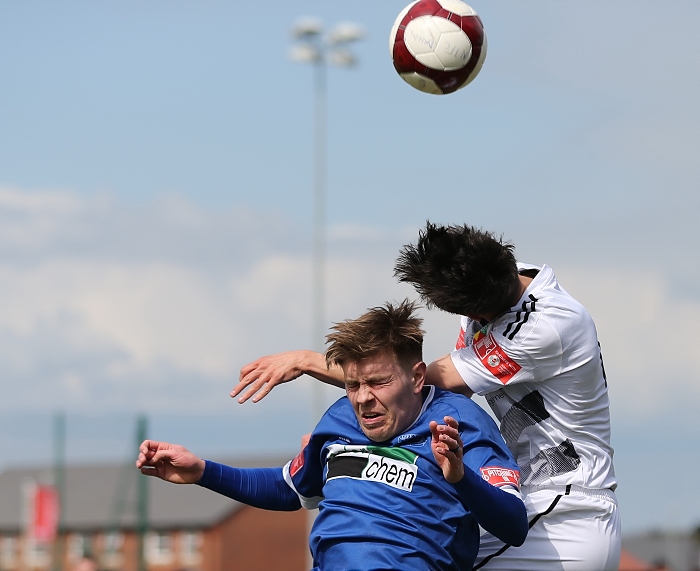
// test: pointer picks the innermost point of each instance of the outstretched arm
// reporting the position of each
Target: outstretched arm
(442, 373)
(259, 487)
(258, 378)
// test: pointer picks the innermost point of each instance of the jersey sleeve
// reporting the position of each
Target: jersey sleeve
(490, 488)
(304, 474)
(485, 451)
(509, 352)
(258, 487)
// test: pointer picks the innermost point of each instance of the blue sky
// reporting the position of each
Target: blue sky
(156, 211)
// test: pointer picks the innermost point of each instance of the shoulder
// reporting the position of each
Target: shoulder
(340, 413)
(476, 427)
(546, 307)
(458, 406)
(545, 294)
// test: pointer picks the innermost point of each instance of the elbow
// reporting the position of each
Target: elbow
(519, 528)
(512, 527)
(518, 540)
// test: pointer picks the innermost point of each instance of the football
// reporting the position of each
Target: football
(438, 46)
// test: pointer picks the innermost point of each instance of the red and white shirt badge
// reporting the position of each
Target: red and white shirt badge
(495, 359)
(497, 476)
(297, 464)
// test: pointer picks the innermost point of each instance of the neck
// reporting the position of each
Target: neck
(524, 284)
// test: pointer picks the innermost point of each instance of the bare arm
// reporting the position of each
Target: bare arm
(442, 373)
(258, 378)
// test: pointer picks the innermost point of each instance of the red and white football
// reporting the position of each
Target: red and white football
(438, 46)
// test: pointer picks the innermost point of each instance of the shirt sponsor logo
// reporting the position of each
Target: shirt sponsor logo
(495, 359)
(497, 476)
(395, 474)
(395, 467)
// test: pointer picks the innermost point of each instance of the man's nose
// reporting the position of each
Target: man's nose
(364, 394)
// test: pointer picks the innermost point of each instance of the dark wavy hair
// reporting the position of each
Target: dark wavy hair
(390, 327)
(461, 270)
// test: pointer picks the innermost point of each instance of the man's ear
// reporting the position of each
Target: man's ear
(419, 376)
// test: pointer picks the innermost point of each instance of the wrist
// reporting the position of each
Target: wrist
(312, 361)
(455, 476)
(200, 469)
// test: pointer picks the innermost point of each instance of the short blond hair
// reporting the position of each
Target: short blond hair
(387, 328)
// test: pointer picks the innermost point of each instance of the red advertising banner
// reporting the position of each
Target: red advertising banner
(43, 523)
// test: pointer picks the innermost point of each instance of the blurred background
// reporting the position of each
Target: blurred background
(157, 176)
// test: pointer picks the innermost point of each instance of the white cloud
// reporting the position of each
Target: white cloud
(115, 302)
(114, 299)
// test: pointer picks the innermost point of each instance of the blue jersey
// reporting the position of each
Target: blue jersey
(387, 505)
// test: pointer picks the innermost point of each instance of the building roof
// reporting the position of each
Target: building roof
(670, 550)
(105, 495)
(629, 562)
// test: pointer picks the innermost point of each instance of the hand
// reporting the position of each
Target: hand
(265, 373)
(169, 462)
(447, 449)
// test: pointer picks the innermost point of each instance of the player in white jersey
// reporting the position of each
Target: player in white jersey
(532, 351)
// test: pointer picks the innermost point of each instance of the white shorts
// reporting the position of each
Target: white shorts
(578, 530)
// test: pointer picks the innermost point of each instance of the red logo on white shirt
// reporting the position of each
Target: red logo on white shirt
(461, 344)
(495, 359)
(497, 476)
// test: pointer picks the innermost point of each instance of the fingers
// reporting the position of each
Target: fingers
(256, 389)
(446, 437)
(258, 378)
(152, 453)
(256, 384)
(247, 375)
(146, 452)
(255, 381)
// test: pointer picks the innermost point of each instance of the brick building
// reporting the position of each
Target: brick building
(189, 528)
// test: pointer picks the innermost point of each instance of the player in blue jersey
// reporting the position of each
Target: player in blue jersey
(403, 473)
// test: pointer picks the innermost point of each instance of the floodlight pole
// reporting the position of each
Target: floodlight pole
(141, 501)
(320, 215)
(60, 486)
(320, 52)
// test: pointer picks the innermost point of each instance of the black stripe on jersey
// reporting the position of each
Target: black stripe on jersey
(527, 411)
(533, 521)
(602, 366)
(550, 462)
(343, 465)
(520, 317)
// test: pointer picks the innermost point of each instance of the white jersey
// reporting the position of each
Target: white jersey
(540, 368)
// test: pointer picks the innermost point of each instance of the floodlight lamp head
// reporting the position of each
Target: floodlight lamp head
(304, 53)
(341, 58)
(344, 33)
(307, 29)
